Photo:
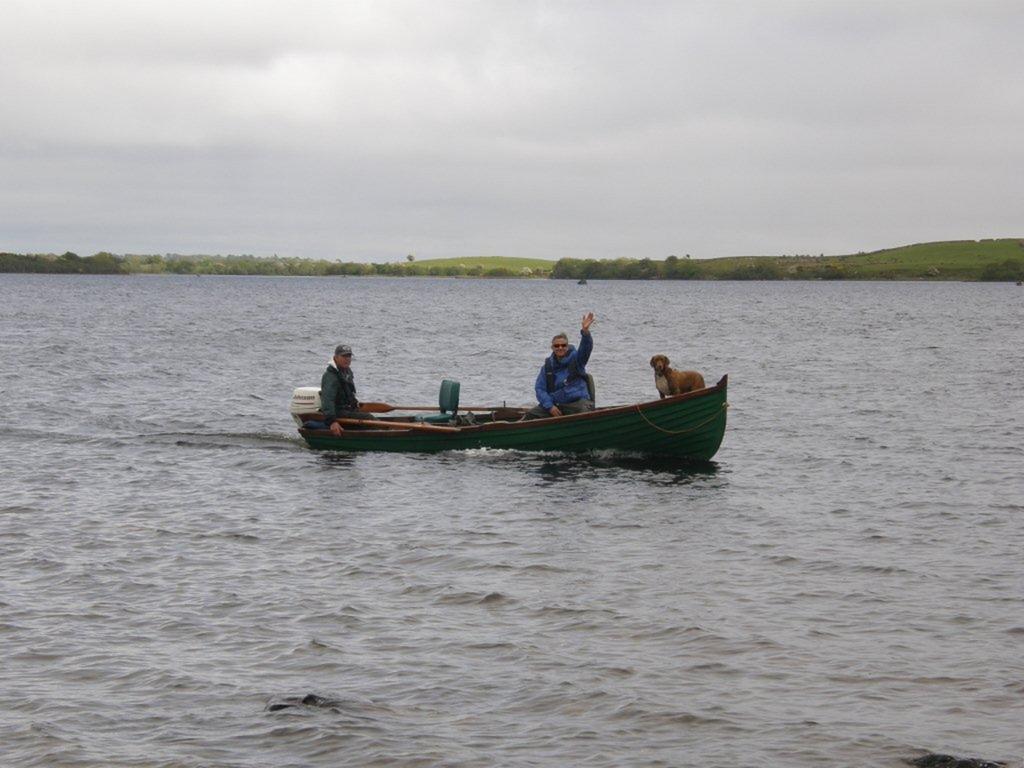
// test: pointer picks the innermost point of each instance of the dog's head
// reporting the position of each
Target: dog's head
(659, 363)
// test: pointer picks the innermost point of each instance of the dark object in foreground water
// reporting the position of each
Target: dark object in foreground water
(951, 761)
(309, 700)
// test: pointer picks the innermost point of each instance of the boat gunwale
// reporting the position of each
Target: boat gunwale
(503, 426)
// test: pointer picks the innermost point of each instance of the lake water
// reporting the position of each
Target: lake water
(844, 586)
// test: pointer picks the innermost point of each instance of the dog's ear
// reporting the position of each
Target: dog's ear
(654, 360)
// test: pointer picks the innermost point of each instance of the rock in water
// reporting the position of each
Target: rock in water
(951, 761)
(309, 700)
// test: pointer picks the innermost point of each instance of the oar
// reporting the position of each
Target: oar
(414, 426)
(386, 408)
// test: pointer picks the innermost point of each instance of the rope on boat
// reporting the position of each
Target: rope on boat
(680, 431)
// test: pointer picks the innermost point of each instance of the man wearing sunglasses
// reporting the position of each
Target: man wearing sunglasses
(561, 385)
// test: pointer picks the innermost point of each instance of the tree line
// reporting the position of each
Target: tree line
(672, 268)
(110, 264)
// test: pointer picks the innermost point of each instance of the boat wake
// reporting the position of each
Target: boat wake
(225, 440)
(185, 438)
(557, 463)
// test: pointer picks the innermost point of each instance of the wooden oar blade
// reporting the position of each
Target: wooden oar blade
(387, 408)
(376, 408)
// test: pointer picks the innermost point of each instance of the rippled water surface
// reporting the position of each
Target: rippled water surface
(843, 586)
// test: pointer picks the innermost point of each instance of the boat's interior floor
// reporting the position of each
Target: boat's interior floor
(456, 420)
(460, 419)
(467, 419)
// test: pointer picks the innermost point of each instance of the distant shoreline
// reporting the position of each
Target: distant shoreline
(999, 260)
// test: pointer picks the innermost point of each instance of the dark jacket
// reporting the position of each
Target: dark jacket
(569, 380)
(337, 391)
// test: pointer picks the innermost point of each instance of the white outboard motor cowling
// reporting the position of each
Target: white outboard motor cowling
(304, 400)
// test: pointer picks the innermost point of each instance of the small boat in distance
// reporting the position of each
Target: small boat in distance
(688, 427)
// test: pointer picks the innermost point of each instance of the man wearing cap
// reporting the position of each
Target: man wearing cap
(338, 390)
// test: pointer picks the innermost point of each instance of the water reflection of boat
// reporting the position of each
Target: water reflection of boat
(688, 426)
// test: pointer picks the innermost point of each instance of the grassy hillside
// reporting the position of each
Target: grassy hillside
(952, 260)
(513, 263)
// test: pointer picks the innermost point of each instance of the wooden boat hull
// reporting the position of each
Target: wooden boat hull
(689, 426)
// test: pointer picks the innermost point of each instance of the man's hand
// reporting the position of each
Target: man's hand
(336, 429)
(554, 411)
(588, 320)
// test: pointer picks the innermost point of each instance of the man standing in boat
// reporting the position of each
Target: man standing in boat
(338, 390)
(561, 385)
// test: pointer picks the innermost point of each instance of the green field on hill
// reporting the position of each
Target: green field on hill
(514, 263)
(952, 260)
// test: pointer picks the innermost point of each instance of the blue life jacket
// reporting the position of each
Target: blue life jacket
(564, 381)
(549, 373)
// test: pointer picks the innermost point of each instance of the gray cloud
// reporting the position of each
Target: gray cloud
(368, 130)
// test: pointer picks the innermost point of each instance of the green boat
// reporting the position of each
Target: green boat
(688, 426)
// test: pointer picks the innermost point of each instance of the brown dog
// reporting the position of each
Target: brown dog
(671, 382)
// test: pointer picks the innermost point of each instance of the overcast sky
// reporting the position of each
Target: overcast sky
(368, 130)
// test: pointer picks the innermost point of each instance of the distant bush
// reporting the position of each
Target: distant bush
(756, 270)
(16, 262)
(828, 271)
(673, 268)
(570, 269)
(1010, 270)
(66, 264)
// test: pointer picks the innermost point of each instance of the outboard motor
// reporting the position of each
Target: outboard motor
(305, 400)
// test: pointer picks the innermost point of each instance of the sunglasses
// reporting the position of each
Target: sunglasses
(556, 346)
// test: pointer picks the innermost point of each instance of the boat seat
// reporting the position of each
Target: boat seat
(591, 388)
(447, 404)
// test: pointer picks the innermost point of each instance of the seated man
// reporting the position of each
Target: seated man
(338, 390)
(561, 385)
